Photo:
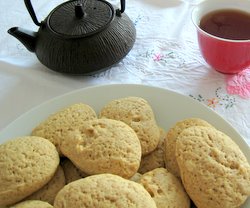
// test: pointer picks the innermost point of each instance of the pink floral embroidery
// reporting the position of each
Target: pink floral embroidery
(157, 57)
(239, 83)
(220, 99)
(213, 102)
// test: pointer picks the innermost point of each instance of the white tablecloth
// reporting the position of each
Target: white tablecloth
(165, 54)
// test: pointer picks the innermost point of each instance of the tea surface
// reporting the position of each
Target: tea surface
(227, 23)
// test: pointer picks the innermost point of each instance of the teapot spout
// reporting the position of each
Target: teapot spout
(26, 37)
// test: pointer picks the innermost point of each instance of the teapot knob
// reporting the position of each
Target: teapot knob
(79, 13)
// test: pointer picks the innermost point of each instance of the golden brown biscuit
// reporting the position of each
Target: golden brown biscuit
(48, 192)
(54, 127)
(26, 164)
(170, 141)
(138, 114)
(32, 204)
(71, 172)
(104, 190)
(103, 146)
(166, 189)
(213, 169)
(154, 159)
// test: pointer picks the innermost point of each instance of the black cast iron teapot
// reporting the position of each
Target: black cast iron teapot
(79, 36)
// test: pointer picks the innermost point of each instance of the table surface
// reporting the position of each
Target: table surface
(165, 54)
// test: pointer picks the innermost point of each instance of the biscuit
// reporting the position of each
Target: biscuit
(27, 164)
(138, 114)
(170, 141)
(213, 169)
(154, 159)
(48, 192)
(32, 204)
(71, 172)
(165, 188)
(103, 146)
(104, 190)
(56, 124)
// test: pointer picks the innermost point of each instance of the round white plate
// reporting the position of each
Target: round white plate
(169, 107)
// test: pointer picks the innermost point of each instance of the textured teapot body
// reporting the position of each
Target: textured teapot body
(86, 55)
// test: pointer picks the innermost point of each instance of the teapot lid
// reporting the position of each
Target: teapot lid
(80, 18)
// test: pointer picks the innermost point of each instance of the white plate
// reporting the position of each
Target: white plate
(169, 107)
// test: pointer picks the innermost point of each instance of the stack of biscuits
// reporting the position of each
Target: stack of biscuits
(121, 158)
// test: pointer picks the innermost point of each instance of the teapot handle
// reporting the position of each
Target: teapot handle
(120, 11)
(32, 12)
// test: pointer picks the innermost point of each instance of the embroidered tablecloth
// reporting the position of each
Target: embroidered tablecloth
(165, 54)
